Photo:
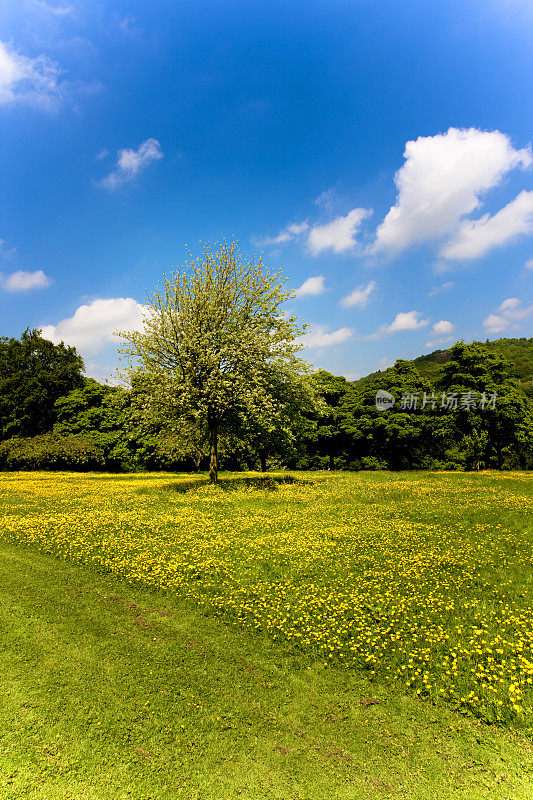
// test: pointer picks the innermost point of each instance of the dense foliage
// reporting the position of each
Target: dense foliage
(472, 413)
(518, 352)
(50, 451)
(218, 353)
(33, 374)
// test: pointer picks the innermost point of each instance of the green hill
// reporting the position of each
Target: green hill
(519, 352)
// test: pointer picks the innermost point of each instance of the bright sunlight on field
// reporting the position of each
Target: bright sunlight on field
(423, 580)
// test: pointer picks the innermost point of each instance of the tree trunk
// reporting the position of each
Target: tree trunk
(331, 461)
(213, 448)
(262, 458)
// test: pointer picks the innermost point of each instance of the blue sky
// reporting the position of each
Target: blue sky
(379, 153)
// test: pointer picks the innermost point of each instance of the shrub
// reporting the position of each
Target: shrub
(372, 463)
(51, 451)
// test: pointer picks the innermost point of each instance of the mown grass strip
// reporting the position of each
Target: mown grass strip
(110, 691)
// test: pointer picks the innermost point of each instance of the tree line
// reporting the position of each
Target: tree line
(215, 380)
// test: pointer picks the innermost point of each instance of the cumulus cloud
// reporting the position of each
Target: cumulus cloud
(33, 81)
(130, 162)
(510, 311)
(443, 327)
(321, 336)
(474, 238)
(287, 234)
(338, 235)
(359, 296)
(443, 287)
(404, 321)
(442, 180)
(312, 286)
(441, 330)
(94, 325)
(22, 281)
(529, 263)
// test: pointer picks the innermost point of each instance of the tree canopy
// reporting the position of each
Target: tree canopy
(34, 373)
(472, 412)
(219, 348)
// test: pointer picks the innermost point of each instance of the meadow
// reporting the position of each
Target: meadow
(422, 582)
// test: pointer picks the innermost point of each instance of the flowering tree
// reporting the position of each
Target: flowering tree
(218, 347)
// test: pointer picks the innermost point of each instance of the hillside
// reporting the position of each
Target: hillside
(518, 351)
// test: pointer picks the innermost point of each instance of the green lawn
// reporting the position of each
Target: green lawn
(110, 691)
(204, 643)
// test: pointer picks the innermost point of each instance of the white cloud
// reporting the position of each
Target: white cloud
(57, 11)
(327, 199)
(443, 287)
(408, 321)
(359, 296)
(441, 330)
(33, 81)
(442, 180)
(404, 321)
(510, 311)
(127, 25)
(312, 286)
(320, 336)
(443, 327)
(384, 363)
(442, 340)
(5, 251)
(93, 325)
(22, 281)
(476, 237)
(290, 232)
(130, 163)
(529, 263)
(338, 235)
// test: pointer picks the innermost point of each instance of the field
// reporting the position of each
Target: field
(413, 589)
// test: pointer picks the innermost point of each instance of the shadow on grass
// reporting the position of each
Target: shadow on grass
(263, 482)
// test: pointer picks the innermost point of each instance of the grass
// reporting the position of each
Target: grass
(367, 610)
(111, 691)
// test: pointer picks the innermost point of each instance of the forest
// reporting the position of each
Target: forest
(466, 408)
